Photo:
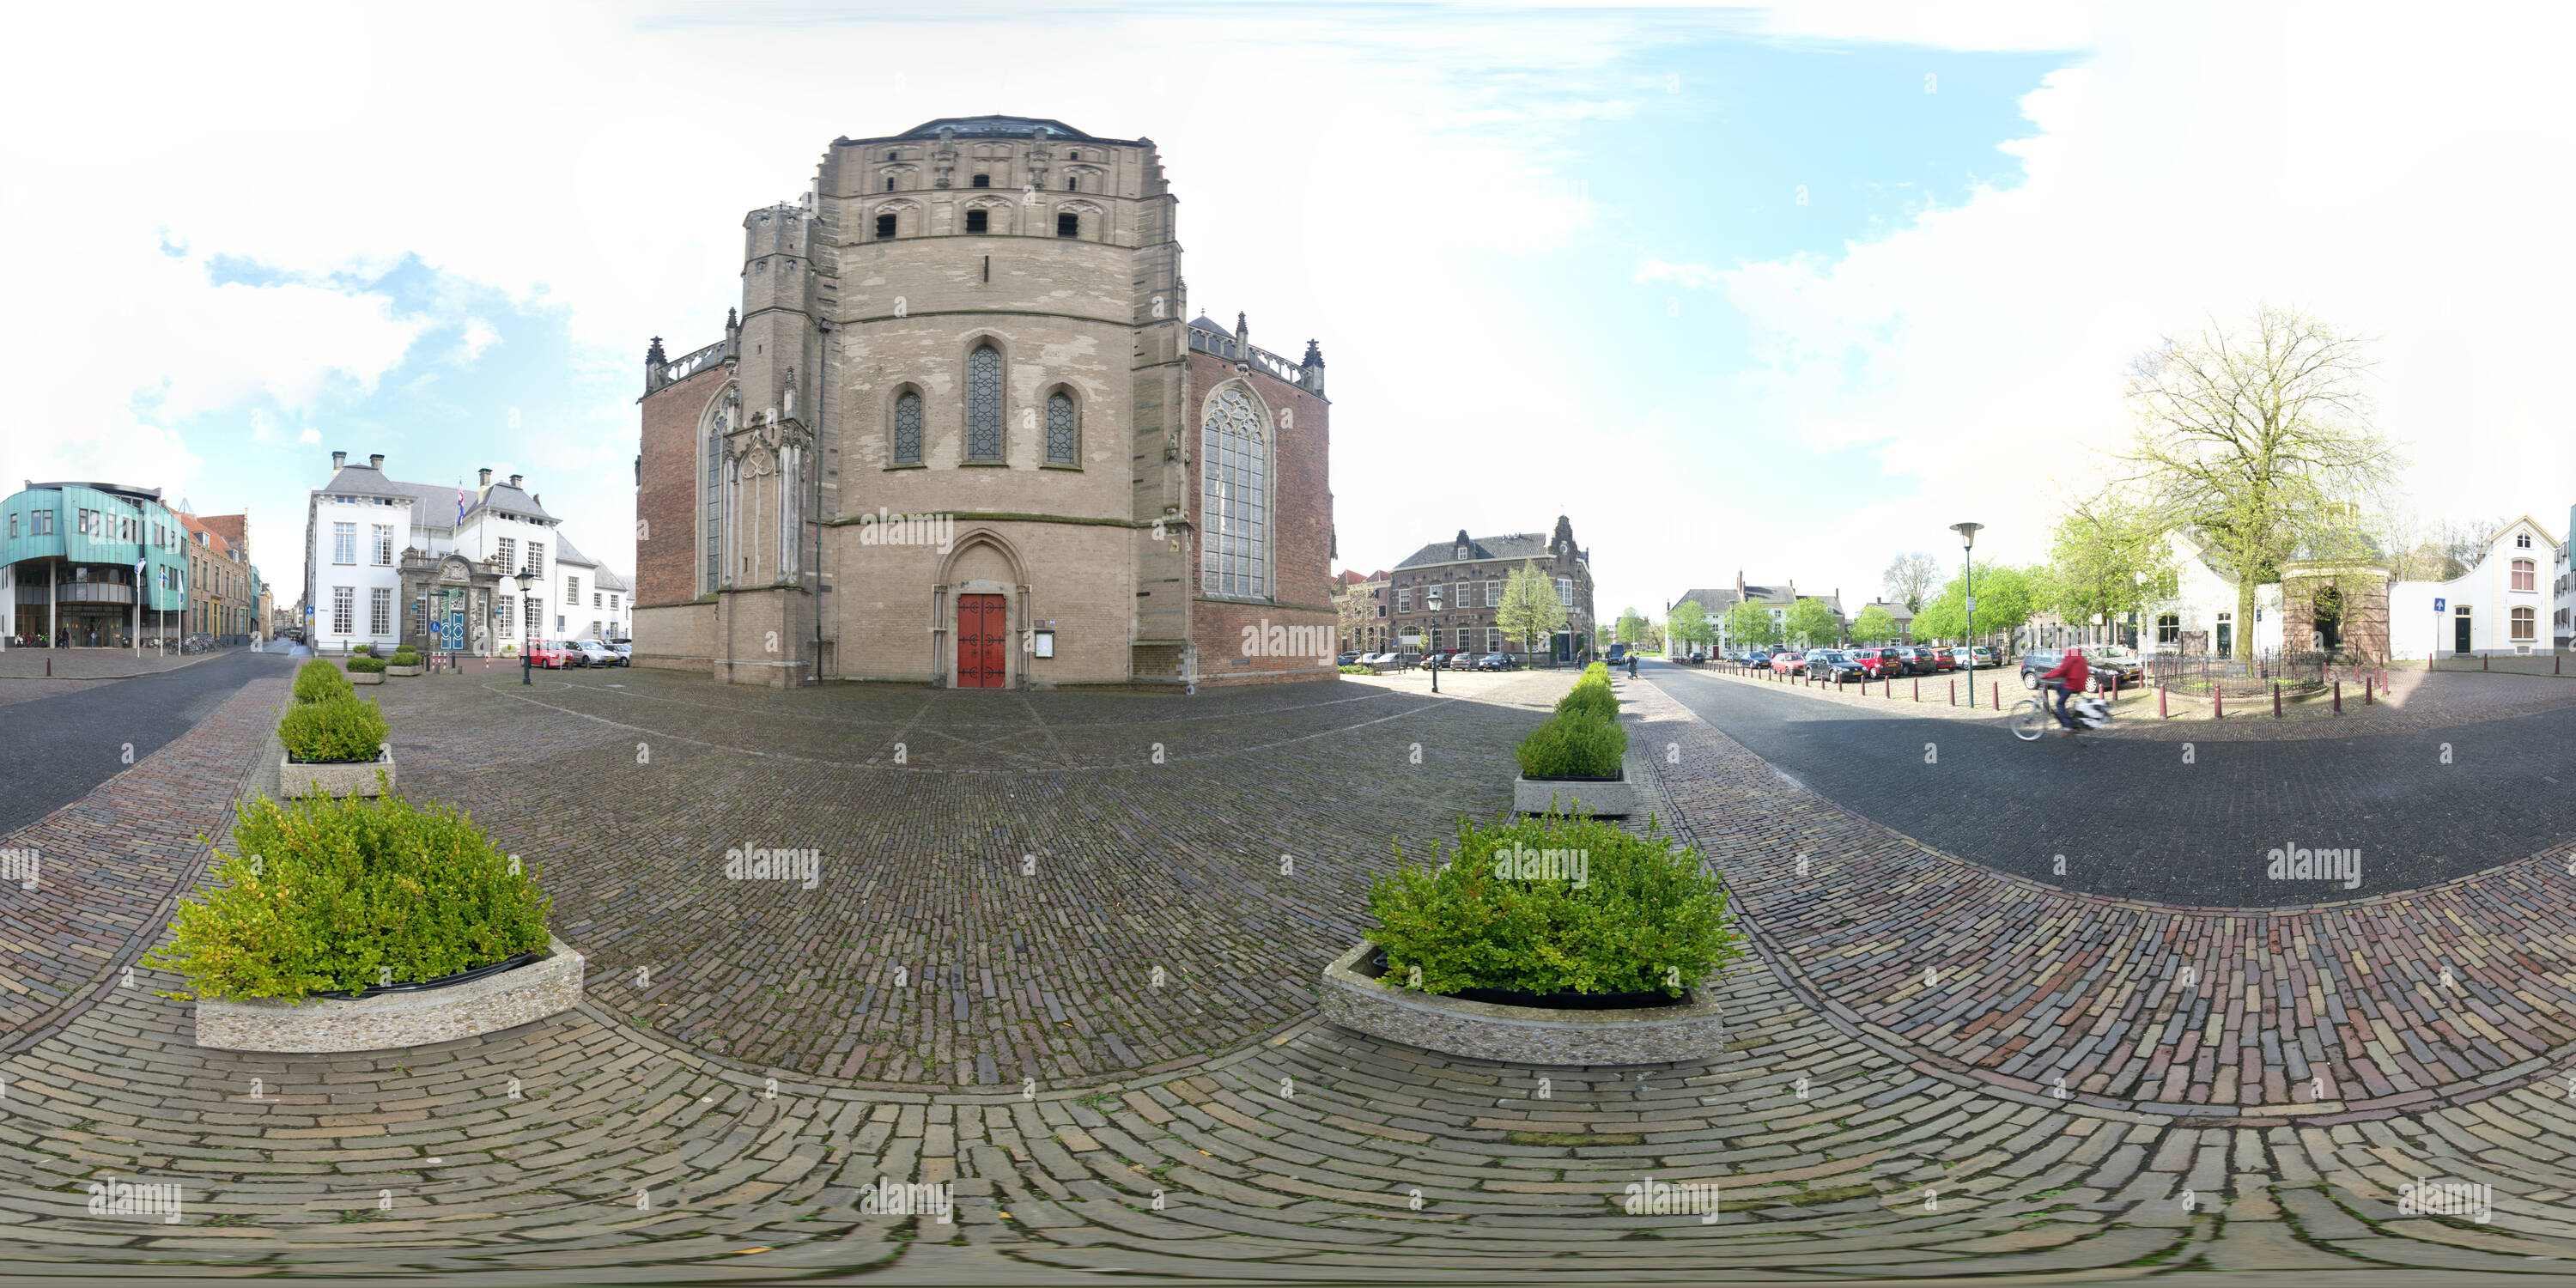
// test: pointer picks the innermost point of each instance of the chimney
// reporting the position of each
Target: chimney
(514, 479)
(376, 462)
(487, 476)
(339, 459)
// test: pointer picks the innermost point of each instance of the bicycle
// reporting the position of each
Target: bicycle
(2031, 716)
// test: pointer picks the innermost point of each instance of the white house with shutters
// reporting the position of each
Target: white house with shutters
(361, 525)
(2501, 605)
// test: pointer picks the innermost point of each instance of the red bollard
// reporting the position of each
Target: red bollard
(2160, 704)
(2365, 692)
(2217, 701)
(2482, 662)
(2276, 699)
(1996, 702)
(2338, 697)
(1954, 693)
(1918, 688)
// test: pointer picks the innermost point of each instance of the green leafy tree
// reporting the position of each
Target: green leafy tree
(2007, 597)
(1632, 626)
(1687, 624)
(1530, 612)
(2109, 556)
(2247, 433)
(1811, 624)
(1874, 625)
(1748, 624)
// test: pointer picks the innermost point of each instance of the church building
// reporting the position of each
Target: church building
(963, 432)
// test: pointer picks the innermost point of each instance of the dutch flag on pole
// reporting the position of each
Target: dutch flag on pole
(460, 502)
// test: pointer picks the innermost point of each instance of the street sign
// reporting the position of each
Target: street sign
(2439, 605)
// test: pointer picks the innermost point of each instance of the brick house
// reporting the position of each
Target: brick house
(1445, 594)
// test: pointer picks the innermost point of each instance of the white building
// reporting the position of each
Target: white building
(2563, 632)
(2501, 605)
(388, 561)
(2203, 615)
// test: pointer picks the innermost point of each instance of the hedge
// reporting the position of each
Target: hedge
(337, 894)
(367, 665)
(1646, 917)
(344, 728)
(319, 680)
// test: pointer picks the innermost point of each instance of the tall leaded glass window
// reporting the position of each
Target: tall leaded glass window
(1233, 462)
(984, 405)
(713, 527)
(1060, 439)
(907, 429)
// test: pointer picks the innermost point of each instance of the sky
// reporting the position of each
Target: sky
(1779, 289)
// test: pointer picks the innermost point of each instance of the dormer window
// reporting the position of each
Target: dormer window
(2522, 540)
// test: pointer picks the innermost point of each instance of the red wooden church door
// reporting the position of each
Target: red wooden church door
(980, 627)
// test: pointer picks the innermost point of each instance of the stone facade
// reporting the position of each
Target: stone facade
(956, 435)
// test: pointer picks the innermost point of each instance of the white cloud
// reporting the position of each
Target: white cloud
(2382, 168)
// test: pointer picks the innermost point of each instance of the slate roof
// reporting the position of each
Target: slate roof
(1712, 601)
(1517, 545)
(995, 127)
(566, 554)
(437, 507)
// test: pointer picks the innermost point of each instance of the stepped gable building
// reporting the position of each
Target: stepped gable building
(1446, 592)
(960, 432)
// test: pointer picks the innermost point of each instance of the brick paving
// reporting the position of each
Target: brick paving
(99, 663)
(1310, 1154)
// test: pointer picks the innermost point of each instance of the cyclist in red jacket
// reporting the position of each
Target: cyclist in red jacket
(2071, 673)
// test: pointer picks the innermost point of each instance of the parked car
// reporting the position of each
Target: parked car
(1785, 663)
(1497, 662)
(554, 655)
(625, 651)
(1879, 663)
(2108, 662)
(1988, 658)
(1347, 659)
(1837, 665)
(1933, 661)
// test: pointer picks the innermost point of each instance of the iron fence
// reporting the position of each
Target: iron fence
(2296, 673)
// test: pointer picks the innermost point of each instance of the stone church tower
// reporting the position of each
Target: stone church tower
(960, 433)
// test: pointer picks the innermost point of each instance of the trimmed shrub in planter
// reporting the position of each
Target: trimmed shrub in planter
(317, 680)
(1574, 745)
(362, 650)
(1550, 940)
(1554, 904)
(340, 895)
(335, 747)
(1591, 695)
(404, 662)
(366, 670)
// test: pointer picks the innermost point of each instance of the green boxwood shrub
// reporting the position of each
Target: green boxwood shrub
(1576, 744)
(1646, 917)
(405, 658)
(340, 894)
(362, 650)
(344, 728)
(319, 680)
(1591, 695)
(367, 665)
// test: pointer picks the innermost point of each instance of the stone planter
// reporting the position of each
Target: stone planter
(1690, 1030)
(334, 777)
(391, 1020)
(402, 670)
(1595, 796)
(366, 677)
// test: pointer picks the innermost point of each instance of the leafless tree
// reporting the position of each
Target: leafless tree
(2246, 435)
(1910, 578)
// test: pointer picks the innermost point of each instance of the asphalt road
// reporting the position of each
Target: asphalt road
(53, 751)
(2133, 819)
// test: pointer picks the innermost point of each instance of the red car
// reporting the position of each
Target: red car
(1932, 660)
(552, 654)
(1789, 664)
(1880, 663)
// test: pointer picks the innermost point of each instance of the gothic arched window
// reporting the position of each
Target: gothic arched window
(1233, 462)
(907, 429)
(713, 525)
(984, 404)
(1061, 441)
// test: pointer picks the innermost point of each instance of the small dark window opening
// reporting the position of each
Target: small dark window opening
(885, 226)
(1072, 183)
(983, 181)
(889, 183)
(1068, 225)
(974, 221)
(889, 156)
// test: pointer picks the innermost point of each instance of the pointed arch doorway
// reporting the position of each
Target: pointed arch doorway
(983, 626)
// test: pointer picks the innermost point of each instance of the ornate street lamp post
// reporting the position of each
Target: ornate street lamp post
(1967, 555)
(527, 577)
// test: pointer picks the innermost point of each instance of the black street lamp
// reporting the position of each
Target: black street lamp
(1967, 555)
(527, 577)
